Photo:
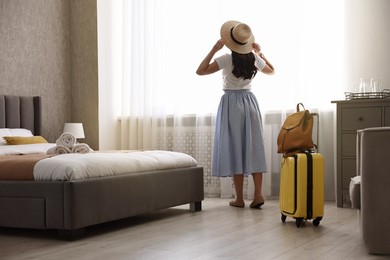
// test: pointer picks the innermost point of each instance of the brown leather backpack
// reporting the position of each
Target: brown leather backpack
(296, 132)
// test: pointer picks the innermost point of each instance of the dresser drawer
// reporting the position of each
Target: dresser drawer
(359, 118)
(348, 145)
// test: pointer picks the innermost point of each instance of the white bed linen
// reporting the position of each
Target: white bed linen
(97, 164)
(25, 148)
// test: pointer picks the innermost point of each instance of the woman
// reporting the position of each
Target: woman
(238, 142)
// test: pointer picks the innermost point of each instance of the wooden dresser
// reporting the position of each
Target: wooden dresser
(353, 115)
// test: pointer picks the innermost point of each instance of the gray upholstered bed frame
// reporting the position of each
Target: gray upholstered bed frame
(70, 206)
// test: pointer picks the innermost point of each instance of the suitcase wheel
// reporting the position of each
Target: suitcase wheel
(283, 218)
(316, 221)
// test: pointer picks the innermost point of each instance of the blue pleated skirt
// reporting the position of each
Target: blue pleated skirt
(239, 140)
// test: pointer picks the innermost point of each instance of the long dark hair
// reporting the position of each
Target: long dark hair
(244, 65)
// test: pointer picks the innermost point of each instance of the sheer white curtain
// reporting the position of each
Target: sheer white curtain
(165, 105)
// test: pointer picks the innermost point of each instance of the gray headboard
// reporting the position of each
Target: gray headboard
(21, 112)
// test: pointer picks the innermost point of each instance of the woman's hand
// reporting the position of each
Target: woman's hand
(218, 45)
(256, 48)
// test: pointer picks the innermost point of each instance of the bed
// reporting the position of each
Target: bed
(70, 206)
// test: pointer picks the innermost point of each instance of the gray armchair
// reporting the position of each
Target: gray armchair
(372, 196)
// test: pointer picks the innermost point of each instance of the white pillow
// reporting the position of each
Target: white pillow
(20, 132)
(4, 132)
(13, 132)
(354, 192)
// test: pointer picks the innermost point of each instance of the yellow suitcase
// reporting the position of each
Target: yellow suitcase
(302, 188)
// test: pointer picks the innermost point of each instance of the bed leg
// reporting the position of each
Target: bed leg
(196, 206)
(71, 234)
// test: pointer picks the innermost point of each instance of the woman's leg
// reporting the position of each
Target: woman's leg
(238, 180)
(258, 200)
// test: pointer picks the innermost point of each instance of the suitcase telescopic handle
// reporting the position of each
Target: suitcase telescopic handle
(318, 129)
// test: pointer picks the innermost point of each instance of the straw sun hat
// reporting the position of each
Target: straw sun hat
(238, 36)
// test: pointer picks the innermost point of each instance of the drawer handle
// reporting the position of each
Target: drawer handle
(360, 118)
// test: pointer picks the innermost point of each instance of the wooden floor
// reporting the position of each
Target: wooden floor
(217, 232)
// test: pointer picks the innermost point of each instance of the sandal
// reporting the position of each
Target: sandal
(257, 205)
(234, 203)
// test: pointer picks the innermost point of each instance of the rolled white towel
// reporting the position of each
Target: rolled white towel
(81, 148)
(58, 149)
(66, 139)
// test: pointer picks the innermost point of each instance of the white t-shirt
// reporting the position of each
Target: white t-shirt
(231, 82)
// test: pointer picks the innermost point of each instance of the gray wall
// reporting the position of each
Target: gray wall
(49, 48)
